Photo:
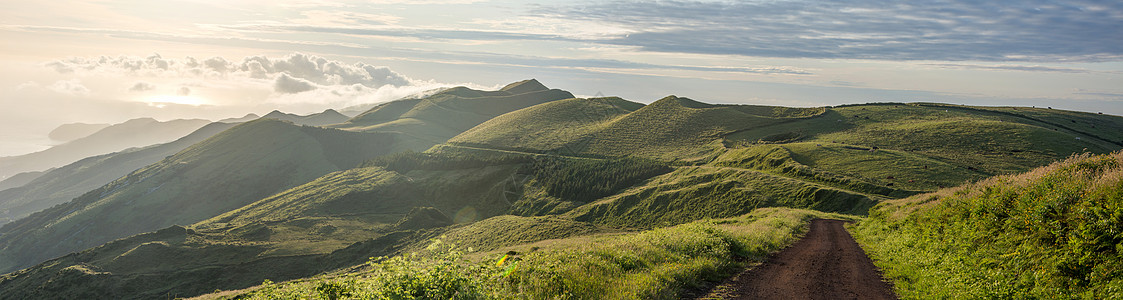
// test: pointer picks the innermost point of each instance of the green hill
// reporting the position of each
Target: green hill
(670, 128)
(959, 141)
(62, 184)
(224, 172)
(1054, 232)
(438, 117)
(245, 164)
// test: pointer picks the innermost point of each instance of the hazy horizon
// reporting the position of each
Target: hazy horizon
(108, 62)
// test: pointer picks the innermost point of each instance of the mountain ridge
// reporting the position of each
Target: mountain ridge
(138, 132)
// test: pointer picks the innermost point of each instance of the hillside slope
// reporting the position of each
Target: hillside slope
(241, 165)
(1055, 232)
(336, 221)
(438, 117)
(133, 133)
(963, 142)
(62, 184)
(670, 128)
(224, 172)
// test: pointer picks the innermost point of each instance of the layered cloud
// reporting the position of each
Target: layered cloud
(71, 87)
(1035, 30)
(294, 73)
(216, 87)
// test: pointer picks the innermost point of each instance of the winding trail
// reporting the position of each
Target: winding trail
(825, 264)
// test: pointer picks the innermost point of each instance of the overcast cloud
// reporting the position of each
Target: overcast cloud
(954, 30)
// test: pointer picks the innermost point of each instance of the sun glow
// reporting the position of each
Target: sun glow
(163, 100)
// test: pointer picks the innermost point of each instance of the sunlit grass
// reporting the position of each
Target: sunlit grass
(654, 264)
(1053, 233)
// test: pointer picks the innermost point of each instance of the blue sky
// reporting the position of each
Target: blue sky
(107, 61)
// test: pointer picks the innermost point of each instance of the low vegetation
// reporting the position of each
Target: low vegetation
(654, 264)
(587, 179)
(1054, 232)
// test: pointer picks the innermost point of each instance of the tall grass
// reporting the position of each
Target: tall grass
(1055, 232)
(655, 264)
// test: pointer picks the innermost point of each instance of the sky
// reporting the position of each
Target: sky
(110, 61)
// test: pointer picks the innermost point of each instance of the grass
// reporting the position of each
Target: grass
(693, 193)
(1054, 232)
(672, 128)
(654, 264)
(438, 117)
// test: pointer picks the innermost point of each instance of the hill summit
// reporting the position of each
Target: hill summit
(525, 86)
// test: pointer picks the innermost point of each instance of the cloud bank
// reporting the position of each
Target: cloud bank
(218, 87)
(294, 73)
(955, 30)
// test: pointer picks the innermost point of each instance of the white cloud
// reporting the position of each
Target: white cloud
(344, 18)
(297, 83)
(286, 84)
(141, 87)
(70, 87)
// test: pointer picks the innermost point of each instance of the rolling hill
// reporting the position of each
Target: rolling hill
(232, 169)
(564, 169)
(226, 171)
(62, 184)
(45, 189)
(133, 133)
(438, 117)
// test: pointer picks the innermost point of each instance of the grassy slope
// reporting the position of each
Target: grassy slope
(443, 115)
(252, 163)
(562, 124)
(875, 151)
(68, 182)
(1054, 232)
(338, 220)
(693, 193)
(253, 160)
(671, 128)
(655, 264)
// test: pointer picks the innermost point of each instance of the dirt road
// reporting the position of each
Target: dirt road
(826, 264)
